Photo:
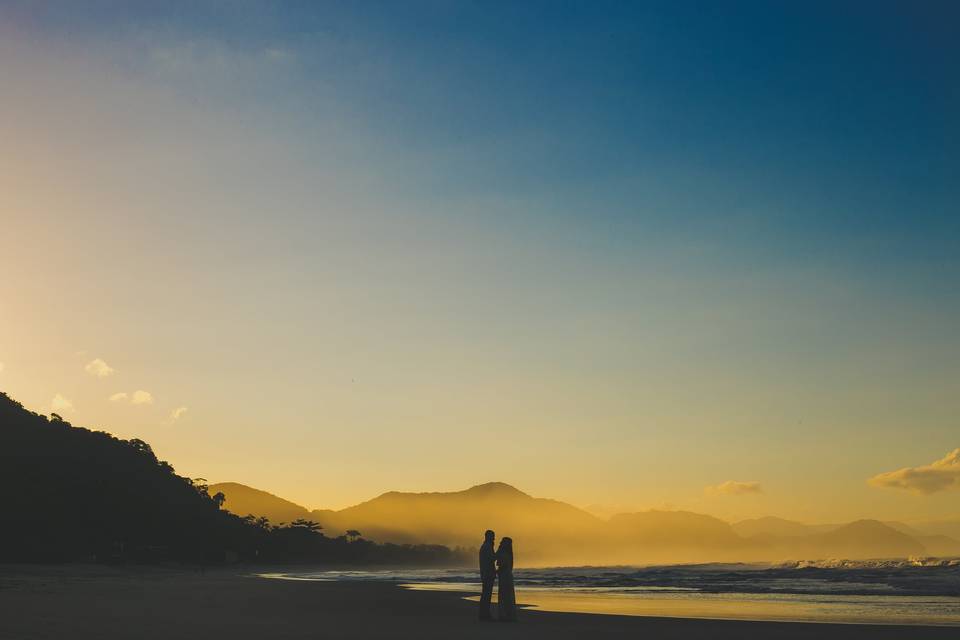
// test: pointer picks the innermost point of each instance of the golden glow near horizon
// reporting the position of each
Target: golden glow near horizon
(291, 303)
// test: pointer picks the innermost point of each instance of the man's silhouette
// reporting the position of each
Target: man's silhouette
(488, 574)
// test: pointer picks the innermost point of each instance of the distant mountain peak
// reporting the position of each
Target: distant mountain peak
(495, 488)
(867, 524)
(243, 499)
(485, 490)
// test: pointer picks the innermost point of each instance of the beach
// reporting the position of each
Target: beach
(104, 603)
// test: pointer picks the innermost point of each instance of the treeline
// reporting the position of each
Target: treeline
(72, 494)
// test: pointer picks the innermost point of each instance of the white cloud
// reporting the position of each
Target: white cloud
(59, 404)
(930, 478)
(141, 397)
(137, 397)
(99, 368)
(733, 488)
(177, 413)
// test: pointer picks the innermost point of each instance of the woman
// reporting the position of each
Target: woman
(506, 598)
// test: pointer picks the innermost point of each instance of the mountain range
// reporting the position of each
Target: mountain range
(554, 532)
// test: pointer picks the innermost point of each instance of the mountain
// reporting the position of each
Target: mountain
(665, 536)
(903, 528)
(942, 546)
(865, 539)
(948, 527)
(771, 526)
(549, 531)
(243, 500)
(553, 532)
(860, 539)
(544, 527)
(674, 529)
(72, 494)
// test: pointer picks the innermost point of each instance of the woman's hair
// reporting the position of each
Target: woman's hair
(506, 544)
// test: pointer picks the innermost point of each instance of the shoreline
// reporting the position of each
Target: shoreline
(84, 602)
(473, 597)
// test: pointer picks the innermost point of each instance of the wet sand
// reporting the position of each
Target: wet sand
(80, 603)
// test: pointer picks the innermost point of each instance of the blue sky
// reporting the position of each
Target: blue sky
(636, 229)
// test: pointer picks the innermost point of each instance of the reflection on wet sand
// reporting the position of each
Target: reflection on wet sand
(862, 609)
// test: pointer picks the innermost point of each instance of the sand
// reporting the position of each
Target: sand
(102, 603)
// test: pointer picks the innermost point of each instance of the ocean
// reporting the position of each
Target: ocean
(924, 592)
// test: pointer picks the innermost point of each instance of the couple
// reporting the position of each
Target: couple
(494, 564)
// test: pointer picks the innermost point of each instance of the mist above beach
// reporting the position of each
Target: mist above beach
(552, 533)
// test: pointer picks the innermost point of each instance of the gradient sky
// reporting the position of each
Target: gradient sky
(608, 253)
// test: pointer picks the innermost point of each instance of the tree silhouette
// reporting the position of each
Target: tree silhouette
(309, 525)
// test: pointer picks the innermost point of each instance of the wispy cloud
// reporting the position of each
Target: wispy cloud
(60, 404)
(99, 368)
(137, 397)
(141, 397)
(1, 367)
(213, 60)
(177, 413)
(926, 479)
(733, 488)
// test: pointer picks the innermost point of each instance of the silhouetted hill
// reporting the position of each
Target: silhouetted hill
(459, 518)
(865, 539)
(903, 528)
(456, 518)
(856, 540)
(939, 545)
(945, 527)
(243, 500)
(75, 493)
(675, 528)
(68, 493)
(550, 531)
(665, 536)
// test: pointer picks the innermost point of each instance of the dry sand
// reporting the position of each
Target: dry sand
(101, 603)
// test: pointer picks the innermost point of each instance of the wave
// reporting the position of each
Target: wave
(905, 577)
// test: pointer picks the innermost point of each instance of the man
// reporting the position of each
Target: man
(488, 573)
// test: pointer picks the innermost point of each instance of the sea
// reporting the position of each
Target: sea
(910, 591)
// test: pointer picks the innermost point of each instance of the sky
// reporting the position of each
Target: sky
(628, 255)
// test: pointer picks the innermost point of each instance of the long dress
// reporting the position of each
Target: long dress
(506, 597)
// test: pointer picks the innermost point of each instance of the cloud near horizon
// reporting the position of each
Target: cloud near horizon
(141, 397)
(733, 488)
(60, 404)
(940, 475)
(99, 368)
(137, 397)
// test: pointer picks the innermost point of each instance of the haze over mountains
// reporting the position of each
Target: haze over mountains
(553, 532)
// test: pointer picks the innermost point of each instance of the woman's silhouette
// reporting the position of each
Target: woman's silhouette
(506, 598)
